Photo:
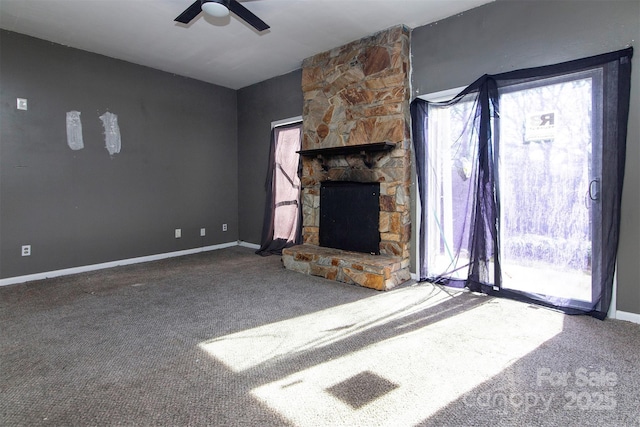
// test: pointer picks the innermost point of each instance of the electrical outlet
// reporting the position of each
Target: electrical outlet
(224, 227)
(203, 232)
(26, 250)
(178, 233)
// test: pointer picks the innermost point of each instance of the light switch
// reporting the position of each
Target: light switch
(22, 103)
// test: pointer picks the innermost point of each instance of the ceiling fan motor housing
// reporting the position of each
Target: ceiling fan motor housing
(219, 8)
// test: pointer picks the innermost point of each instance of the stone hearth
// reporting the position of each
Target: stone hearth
(354, 96)
(379, 272)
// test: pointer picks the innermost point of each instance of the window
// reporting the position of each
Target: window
(282, 218)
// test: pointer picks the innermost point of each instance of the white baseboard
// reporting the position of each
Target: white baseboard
(617, 314)
(248, 245)
(629, 317)
(93, 267)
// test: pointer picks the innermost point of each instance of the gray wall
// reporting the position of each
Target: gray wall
(508, 35)
(177, 167)
(260, 104)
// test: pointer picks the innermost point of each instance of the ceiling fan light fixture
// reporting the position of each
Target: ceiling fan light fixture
(217, 8)
(221, 8)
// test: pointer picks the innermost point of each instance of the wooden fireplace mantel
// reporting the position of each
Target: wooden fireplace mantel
(349, 149)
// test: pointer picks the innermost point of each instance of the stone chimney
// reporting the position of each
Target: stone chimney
(355, 96)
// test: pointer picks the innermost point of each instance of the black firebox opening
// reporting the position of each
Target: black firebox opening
(350, 216)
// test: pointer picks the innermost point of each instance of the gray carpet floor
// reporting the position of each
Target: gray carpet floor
(228, 338)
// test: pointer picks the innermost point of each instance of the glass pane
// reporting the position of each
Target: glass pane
(545, 173)
(452, 162)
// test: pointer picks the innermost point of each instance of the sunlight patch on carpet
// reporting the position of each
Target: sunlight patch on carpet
(429, 368)
(247, 349)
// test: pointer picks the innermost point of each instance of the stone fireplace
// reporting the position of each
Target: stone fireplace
(356, 128)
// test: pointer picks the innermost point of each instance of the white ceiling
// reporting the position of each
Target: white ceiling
(223, 51)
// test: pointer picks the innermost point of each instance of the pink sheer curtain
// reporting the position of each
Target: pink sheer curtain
(287, 184)
(282, 226)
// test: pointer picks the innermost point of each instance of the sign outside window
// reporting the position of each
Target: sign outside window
(540, 127)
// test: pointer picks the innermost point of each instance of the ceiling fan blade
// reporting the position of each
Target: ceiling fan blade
(190, 13)
(247, 16)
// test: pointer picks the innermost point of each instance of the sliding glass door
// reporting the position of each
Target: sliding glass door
(549, 172)
(520, 182)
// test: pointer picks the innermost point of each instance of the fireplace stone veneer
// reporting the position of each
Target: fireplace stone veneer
(357, 96)
(381, 272)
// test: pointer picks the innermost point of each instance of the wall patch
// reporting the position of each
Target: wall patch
(111, 132)
(74, 131)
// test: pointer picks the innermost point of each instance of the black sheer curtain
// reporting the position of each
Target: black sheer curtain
(470, 249)
(470, 255)
(282, 224)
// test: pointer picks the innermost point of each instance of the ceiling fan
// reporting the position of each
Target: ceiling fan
(221, 8)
